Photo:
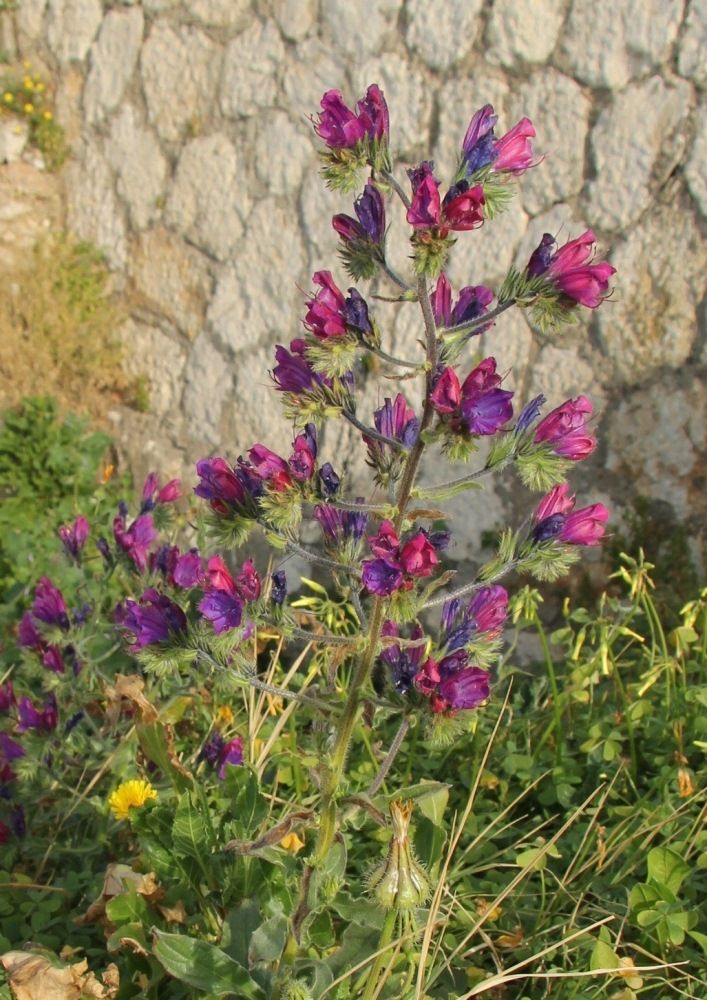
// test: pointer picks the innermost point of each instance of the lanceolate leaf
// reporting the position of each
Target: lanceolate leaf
(203, 966)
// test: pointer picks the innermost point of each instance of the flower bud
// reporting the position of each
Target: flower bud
(400, 882)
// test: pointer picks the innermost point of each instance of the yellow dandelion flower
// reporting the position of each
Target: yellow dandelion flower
(28, 83)
(8, 97)
(47, 116)
(28, 109)
(292, 843)
(130, 794)
(223, 716)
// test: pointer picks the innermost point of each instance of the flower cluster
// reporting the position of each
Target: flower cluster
(475, 406)
(399, 562)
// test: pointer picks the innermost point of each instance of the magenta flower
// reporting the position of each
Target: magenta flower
(337, 125)
(303, 460)
(223, 610)
(27, 634)
(248, 581)
(418, 556)
(53, 660)
(484, 615)
(270, 468)
(565, 428)
(465, 688)
(331, 314)
(218, 753)
(152, 494)
(49, 605)
(555, 518)
(293, 373)
(73, 537)
(473, 302)
(513, 152)
(461, 209)
(570, 269)
(369, 225)
(187, 570)
(156, 619)
(137, 539)
(340, 128)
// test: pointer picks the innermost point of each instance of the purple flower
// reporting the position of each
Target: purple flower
(28, 634)
(512, 153)
(221, 485)
(49, 605)
(565, 428)
(293, 373)
(32, 718)
(223, 610)
(187, 570)
(231, 753)
(9, 749)
(337, 125)
(329, 481)
(381, 577)
(73, 537)
(403, 661)
(461, 209)
(53, 659)
(369, 224)
(270, 467)
(418, 556)
(341, 525)
(473, 302)
(278, 587)
(484, 615)
(248, 582)
(555, 518)
(304, 455)
(325, 312)
(7, 696)
(157, 619)
(137, 539)
(478, 405)
(570, 269)
(529, 413)
(465, 688)
(373, 113)
(395, 420)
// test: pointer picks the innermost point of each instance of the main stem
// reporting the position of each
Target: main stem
(347, 722)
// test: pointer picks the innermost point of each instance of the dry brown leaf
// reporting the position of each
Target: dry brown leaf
(114, 884)
(177, 913)
(510, 940)
(34, 977)
(132, 687)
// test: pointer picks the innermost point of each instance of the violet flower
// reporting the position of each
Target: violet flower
(402, 661)
(462, 208)
(512, 153)
(156, 619)
(219, 753)
(73, 537)
(223, 610)
(341, 128)
(278, 587)
(303, 460)
(483, 615)
(137, 539)
(29, 717)
(529, 414)
(369, 225)
(473, 302)
(477, 406)
(270, 467)
(49, 605)
(565, 428)
(7, 696)
(331, 314)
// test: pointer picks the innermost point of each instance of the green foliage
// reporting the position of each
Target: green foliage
(25, 95)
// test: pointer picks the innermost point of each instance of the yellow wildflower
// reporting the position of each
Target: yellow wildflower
(28, 108)
(223, 716)
(131, 794)
(28, 83)
(686, 786)
(292, 843)
(47, 116)
(8, 97)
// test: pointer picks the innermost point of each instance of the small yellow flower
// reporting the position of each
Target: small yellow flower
(686, 786)
(28, 83)
(292, 843)
(130, 794)
(28, 109)
(47, 116)
(223, 716)
(26, 63)
(107, 473)
(8, 97)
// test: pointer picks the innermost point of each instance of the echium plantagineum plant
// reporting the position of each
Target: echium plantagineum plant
(382, 552)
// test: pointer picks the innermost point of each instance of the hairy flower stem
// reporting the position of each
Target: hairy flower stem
(314, 557)
(470, 588)
(371, 433)
(389, 758)
(472, 325)
(384, 940)
(428, 492)
(384, 356)
(332, 778)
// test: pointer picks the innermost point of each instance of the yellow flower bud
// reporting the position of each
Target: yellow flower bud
(400, 882)
(292, 843)
(28, 108)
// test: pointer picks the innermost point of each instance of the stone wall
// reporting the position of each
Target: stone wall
(195, 168)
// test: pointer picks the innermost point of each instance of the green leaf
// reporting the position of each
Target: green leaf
(238, 928)
(268, 940)
(190, 834)
(667, 868)
(603, 956)
(700, 938)
(157, 745)
(128, 906)
(203, 966)
(430, 797)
